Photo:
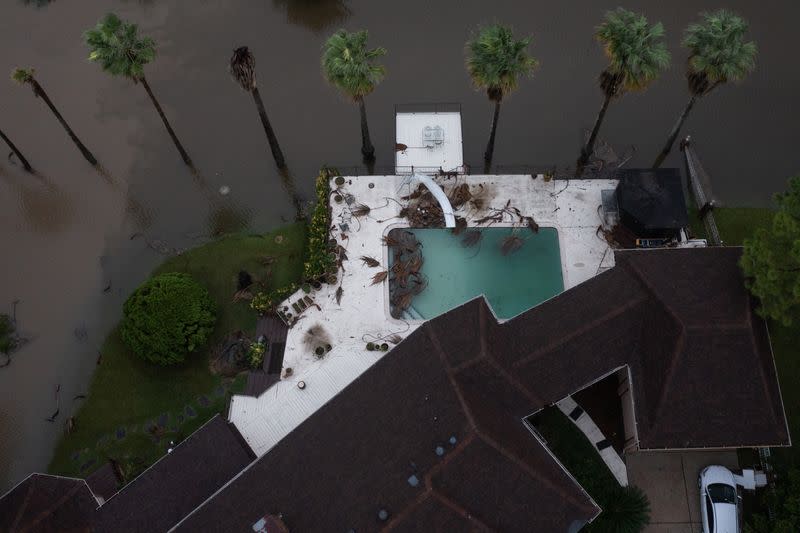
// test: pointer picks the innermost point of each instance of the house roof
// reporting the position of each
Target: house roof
(680, 319)
(45, 503)
(178, 482)
(356, 456)
(652, 198)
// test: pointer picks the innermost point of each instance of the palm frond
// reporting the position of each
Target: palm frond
(380, 277)
(496, 60)
(369, 261)
(243, 68)
(718, 51)
(635, 49)
(350, 66)
(119, 49)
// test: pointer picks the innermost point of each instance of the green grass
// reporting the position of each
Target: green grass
(734, 223)
(578, 456)
(128, 392)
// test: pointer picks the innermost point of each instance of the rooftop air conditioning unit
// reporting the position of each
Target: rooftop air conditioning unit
(432, 136)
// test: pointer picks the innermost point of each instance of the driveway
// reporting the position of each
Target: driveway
(670, 481)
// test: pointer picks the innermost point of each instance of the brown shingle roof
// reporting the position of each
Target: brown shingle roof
(355, 455)
(703, 376)
(178, 482)
(43, 503)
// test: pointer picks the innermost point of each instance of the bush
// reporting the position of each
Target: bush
(7, 340)
(320, 260)
(255, 355)
(167, 317)
(265, 302)
(625, 510)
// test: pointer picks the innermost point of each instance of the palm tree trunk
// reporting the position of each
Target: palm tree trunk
(366, 143)
(38, 91)
(171, 132)
(273, 140)
(676, 129)
(588, 149)
(487, 155)
(25, 164)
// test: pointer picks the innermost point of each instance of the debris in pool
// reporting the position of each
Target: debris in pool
(224, 190)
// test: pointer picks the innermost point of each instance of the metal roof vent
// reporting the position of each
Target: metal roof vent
(413, 481)
(383, 515)
(439, 451)
(432, 136)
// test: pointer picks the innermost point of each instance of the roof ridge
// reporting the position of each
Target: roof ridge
(526, 467)
(577, 332)
(444, 499)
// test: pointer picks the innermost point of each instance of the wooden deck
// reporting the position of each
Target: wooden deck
(275, 331)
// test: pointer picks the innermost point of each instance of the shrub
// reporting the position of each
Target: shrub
(7, 340)
(264, 302)
(320, 260)
(625, 510)
(168, 316)
(255, 355)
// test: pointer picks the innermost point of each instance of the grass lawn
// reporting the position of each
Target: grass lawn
(129, 396)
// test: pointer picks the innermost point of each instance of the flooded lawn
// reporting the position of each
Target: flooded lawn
(76, 242)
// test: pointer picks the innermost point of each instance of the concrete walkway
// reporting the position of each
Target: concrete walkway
(584, 422)
(670, 481)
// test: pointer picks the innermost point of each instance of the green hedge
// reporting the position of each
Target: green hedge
(320, 259)
(167, 317)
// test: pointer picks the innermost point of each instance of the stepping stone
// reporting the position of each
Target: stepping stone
(121, 433)
(203, 400)
(219, 391)
(603, 444)
(190, 412)
(75, 456)
(163, 419)
(88, 464)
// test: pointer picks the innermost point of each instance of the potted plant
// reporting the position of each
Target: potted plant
(370, 346)
(384, 347)
(339, 181)
(306, 287)
(319, 351)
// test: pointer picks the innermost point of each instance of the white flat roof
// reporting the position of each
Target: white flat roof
(447, 154)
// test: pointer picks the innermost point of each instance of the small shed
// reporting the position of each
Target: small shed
(651, 202)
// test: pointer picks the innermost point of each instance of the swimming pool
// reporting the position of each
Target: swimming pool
(457, 273)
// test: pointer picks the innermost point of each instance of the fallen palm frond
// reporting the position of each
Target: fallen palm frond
(339, 293)
(510, 244)
(360, 210)
(380, 277)
(532, 225)
(395, 339)
(391, 241)
(461, 225)
(460, 195)
(370, 261)
(471, 238)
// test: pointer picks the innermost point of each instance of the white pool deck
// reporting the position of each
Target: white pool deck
(569, 206)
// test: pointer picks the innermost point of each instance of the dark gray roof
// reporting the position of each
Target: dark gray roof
(44, 503)
(178, 482)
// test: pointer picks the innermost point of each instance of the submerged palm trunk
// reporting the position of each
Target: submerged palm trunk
(588, 149)
(676, 129)
(273, 140)
(25, 164)
(38, 91)
(171, 132)
(366, 143)
(487, 155)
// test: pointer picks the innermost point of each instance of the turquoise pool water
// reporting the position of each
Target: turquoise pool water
(512, 283)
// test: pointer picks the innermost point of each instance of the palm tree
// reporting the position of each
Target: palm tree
(116, 45)
(636, 54)
(25, 164)
(718, 53)
(350, 66)
(243, 70)
(495, 62)
(25, 77)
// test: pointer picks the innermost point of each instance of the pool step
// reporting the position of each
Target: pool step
(412, 314)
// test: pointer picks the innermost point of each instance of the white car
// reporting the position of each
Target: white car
(719, 501)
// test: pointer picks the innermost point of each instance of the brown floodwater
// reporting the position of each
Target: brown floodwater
(66, 233)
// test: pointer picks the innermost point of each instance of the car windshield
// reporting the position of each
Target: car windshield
(720, 493)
